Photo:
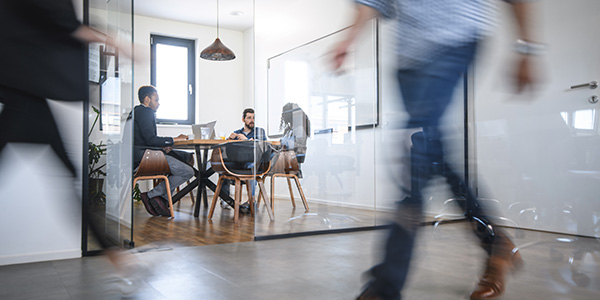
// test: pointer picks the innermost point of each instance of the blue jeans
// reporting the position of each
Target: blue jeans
(426, 92)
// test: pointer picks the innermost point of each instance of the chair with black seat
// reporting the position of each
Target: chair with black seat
(154, 166)
(285, 164)
(241, 161)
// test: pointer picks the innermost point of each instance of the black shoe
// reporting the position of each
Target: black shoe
(245, 208)
(147, 205)
(161, 206)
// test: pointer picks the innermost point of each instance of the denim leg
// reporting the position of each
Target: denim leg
(426, 93)
(390, 275)
(180, 173)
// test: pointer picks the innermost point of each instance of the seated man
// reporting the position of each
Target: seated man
(248, 132)
(144, 137)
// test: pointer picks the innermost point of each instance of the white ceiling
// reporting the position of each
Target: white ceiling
(203, 12)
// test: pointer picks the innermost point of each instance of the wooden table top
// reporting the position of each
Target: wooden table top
(207, 143)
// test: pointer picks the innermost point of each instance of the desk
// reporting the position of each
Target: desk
(202, 180)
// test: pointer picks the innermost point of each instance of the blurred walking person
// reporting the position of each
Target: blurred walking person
(437, 41)
(43, 57)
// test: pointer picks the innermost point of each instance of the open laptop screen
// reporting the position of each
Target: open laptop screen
(204, 131)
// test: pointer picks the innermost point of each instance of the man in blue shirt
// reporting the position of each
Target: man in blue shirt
(248, 132)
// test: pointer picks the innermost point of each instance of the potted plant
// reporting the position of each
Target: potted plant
(96, 172)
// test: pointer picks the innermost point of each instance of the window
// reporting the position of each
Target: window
(173, 75)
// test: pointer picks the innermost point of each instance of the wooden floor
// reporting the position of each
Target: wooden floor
(184, 230)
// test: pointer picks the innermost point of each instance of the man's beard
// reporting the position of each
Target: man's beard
(251, 125)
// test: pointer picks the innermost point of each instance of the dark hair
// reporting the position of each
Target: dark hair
(287, 118)
(145, 90)
(247, 111)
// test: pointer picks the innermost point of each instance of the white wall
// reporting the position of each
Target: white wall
(220, 85)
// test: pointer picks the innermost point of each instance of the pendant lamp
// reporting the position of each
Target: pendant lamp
(217, 51)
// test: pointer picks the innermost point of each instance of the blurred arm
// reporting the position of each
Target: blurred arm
(364, 13)
(524, 75)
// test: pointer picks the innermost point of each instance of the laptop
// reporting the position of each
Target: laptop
(204, 131)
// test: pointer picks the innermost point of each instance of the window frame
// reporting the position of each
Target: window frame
(191, 46)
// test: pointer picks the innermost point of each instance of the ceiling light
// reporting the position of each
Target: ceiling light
(216, 50)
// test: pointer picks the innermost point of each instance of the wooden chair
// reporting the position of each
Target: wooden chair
(285, 164)
(231, 161)
(154, 166)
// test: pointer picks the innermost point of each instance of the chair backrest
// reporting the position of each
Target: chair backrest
(284, 162)
(241, 158)
(153, 162)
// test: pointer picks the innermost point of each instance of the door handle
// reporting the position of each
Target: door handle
(591, 85)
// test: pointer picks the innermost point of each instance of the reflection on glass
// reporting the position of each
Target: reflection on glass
(111, 106)
(296, 82)
(338, 169)
(584, 119)
(172, 81)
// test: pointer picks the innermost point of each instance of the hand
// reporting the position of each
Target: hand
(167, 149)
(181, 137)
(237, 136)
(524, 74)
(340, 53)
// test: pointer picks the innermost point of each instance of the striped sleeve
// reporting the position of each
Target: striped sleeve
(387, 8)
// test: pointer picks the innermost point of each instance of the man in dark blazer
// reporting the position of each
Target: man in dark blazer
(145, 137)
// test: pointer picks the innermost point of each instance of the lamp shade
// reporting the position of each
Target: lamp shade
(217, 51)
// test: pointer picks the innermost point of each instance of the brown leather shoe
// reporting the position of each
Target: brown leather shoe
(493, 281)
(146, 202)
(368, 294)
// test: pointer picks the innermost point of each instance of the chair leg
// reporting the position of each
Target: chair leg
(248, 189)
(215, 197)
(238, 196)
(301, 192)
(192, 195)
(258, 200)
(170, 199)
(291, 192)
(272, 192)
(261, 188)
(250, 197)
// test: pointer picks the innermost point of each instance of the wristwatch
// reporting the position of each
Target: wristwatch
(529, 48)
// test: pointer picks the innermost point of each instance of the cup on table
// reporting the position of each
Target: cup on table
(222, 136)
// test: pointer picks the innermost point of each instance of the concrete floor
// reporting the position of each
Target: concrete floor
(447, 265)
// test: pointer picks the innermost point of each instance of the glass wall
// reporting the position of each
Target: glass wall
(325, 121)
(109, 131)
